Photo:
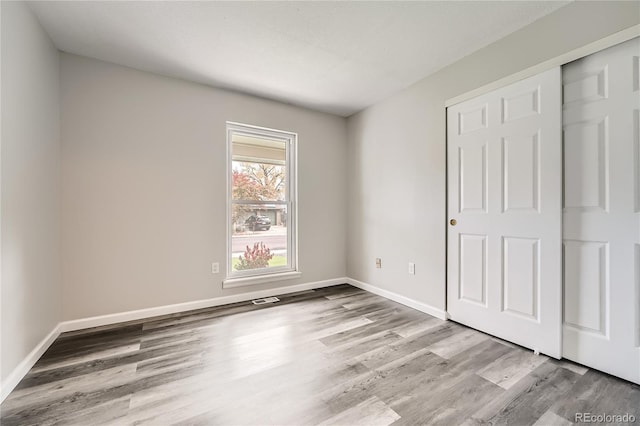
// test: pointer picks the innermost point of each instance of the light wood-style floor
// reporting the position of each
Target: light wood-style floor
(337, 355)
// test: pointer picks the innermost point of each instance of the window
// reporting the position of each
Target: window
(261, 205)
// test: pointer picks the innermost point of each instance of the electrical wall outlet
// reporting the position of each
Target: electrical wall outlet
(378, 262)
(215, 268)
(412, 268)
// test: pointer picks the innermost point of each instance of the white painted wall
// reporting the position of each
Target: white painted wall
(31, 288)
(396, 155)
(144, 187)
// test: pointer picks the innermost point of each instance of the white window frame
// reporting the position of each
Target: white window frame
(263, 275)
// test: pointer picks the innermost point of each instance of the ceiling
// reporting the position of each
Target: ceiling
(337, 57)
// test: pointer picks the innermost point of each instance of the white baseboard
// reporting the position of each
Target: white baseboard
(422, 307)
(23, 368)
(109, 319)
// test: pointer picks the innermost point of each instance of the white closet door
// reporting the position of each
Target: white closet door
(504, 263)
(601, 211)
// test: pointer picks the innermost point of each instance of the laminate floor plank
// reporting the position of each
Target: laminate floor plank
(569, 365)
(551, 419)
(336, 355)
(450, 405)
(421, 324)
(511, 367)
(599, 393)
(372, 342)
(372, 412)
(50, 392)
(423, 395)
(85, 356)
(530, 398)
(402, 349)
(457, 343)
(346, 292)
(364, 330)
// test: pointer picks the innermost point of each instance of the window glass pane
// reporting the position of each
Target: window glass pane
(259, 168)
(258, 181)
(259, 237)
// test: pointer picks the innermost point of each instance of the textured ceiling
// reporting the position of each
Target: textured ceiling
(338, 57)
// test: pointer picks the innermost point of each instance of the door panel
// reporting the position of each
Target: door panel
(521, 105)
(521, 173)
(473, 178)
(586, 165)
(586, 285)
(473, 268)
(504, 179)
(521, 285)
(601, 227)
(472, 119)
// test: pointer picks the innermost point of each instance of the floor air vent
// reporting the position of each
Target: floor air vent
(265, 300)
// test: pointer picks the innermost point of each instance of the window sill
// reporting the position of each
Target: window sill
(260, 279)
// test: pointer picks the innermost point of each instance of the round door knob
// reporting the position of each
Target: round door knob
(453, 222)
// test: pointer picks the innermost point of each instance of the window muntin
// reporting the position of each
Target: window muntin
(261, 207)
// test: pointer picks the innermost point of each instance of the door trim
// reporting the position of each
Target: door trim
(581, 52)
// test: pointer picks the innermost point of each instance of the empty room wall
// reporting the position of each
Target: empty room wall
(144, 187)
(30, 290)
(397, 163)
